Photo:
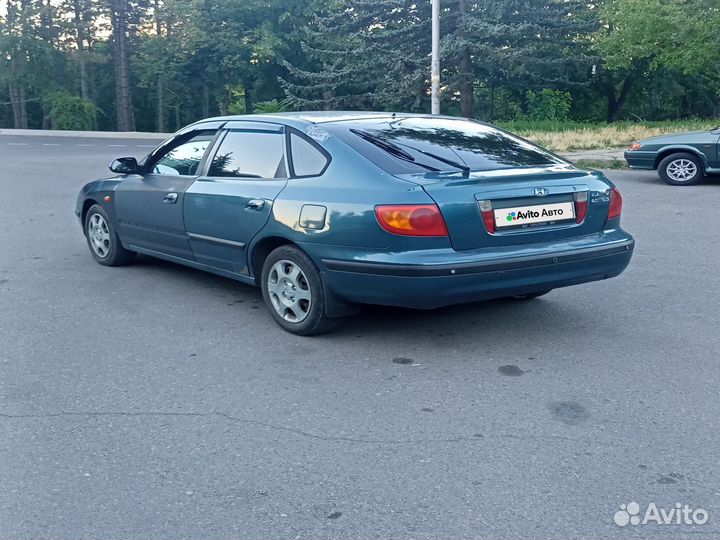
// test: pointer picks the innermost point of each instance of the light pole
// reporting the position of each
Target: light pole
(435, 61)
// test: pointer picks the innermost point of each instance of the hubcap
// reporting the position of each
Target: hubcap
(289, 291)
(99, 235)
(681, 170)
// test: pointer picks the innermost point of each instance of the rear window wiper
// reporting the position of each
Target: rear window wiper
(390, 148)
(464, 168)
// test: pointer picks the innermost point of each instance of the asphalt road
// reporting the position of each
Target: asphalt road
(155, 401)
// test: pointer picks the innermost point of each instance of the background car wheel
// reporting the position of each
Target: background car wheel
(681, 169)
(293, 292)
(102, 239)
(530, 296)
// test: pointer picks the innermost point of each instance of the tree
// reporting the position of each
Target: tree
(28, 37)
(364, 54)
(517, 45)
(125, 17)
(639, 37)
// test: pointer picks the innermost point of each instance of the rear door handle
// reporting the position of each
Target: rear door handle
(170, 198)
(255, 204)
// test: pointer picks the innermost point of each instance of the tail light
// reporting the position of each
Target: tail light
(487, 215)
(615, 204)
(581, 203)
(411, 219)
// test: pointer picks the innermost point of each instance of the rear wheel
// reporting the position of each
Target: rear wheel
(102, 239)
(681, 169)
(293, 292)
(530, 296)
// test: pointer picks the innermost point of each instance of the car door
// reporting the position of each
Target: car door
(227, 206)
(150, 206)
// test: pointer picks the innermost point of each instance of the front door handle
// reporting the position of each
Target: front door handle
(170, 198)
(255, 204)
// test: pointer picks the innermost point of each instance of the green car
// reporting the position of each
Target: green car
(681, 159)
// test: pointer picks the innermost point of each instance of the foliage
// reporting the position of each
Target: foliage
(547, 104)
(272, 106)
(363, 54)
(678, 34)
(71, 112)
(160, 64)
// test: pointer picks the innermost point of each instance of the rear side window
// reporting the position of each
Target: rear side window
(307, 159)
(250, 154)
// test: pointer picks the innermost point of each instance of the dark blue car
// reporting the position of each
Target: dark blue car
(325, 211)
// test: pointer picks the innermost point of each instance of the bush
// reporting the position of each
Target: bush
(549, 104)
(72, 112)
(274, 106)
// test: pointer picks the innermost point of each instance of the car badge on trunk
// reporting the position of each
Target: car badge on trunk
(540, 191)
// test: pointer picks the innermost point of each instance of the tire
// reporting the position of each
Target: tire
(681, 169)
(293, 292)
(530, 296)
(103, 241)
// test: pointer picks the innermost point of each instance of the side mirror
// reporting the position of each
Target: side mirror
(125, 165)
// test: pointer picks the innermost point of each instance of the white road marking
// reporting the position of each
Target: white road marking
(51, 144)
(84, 145)
(145, 146)
(118, 145)
(18, 143)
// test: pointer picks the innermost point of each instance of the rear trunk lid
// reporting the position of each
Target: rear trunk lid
(528, 205)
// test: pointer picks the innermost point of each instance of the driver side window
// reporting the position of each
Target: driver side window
(184, 158)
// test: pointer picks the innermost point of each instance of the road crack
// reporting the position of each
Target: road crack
(475, 438)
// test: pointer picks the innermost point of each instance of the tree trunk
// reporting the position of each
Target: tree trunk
(161, 104)
(465, 82)
(123, 97)
(492, 102)
(249, 99)
(80, 42)
(17, 96)
(615, 103)
(205, 100)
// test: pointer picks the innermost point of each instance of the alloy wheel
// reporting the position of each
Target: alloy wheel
(99, 235)
(681, 170)
(289, 291)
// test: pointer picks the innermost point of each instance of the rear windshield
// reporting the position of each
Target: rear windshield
(477, 146)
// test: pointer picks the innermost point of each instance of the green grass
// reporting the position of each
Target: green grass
(601, 164)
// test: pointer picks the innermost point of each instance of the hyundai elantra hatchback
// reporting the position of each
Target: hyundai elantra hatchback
(327, 211)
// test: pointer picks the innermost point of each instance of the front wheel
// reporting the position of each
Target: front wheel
(102, 239)
(681, 169)
(293, 292)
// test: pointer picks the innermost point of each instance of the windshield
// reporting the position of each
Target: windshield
(454, 141)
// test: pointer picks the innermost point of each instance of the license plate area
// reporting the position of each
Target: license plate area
(537, 215)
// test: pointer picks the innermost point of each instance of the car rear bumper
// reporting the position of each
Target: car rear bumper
(429, 280)
(637, 159)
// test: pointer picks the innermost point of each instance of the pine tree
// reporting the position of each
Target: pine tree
(516, 44)
(364, 54)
